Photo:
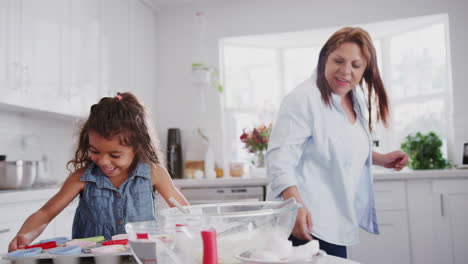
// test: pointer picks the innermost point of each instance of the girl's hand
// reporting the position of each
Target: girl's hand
(18, 242)
(394, 160)
(303, 225)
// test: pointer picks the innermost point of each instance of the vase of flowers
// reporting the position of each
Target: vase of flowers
(256, 142)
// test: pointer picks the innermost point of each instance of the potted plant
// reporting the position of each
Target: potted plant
(424, 151)
(205, 75)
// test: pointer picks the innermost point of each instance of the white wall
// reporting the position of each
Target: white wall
(177, 48)
(29, 137)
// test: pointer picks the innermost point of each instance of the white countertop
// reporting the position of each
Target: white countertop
(406, 175)
(25, 195)
(221, 182)
(409, 175)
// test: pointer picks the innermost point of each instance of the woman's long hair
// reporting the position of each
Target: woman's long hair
(123, 116)
(375, 88)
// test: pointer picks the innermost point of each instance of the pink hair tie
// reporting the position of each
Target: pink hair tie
(119, 97)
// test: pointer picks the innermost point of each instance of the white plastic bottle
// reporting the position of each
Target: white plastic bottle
(210, 172)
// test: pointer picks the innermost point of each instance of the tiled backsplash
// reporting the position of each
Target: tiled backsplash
(27, 137)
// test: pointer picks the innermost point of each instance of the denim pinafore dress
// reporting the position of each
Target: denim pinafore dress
(103, 210)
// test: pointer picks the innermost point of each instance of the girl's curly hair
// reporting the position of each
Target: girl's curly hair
(123, 116)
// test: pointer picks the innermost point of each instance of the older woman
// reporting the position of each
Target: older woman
(320, 150)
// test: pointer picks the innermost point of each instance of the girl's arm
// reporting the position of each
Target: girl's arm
(163, 183)
(38, 221)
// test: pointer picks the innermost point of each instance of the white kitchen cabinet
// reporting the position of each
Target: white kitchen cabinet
(61, 56)
(14, 213)
(115, 46)
(7, 231)
(450, 214)
(10, 64)
(392, 245)
(80, 81)
(16, 206)
(142, 51)
(32, 54)
(4, 55)
(438, 213)
(41, 28)
(63, 222)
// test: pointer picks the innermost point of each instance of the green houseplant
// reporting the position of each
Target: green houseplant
(424, 151)
(207, 74)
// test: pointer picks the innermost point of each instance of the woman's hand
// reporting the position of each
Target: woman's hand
(393, 160)
(303, 225)
(18, 242)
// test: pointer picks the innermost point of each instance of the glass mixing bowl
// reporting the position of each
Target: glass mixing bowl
(239, 225)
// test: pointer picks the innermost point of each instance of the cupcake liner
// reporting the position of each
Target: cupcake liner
(25, 252)
(68, 251)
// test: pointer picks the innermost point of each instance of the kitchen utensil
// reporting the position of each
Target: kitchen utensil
(174, 153)
(242, 222)
(115, 242)
(210, 249)
(184, 210)
(45, 245)
(249, 224)
(19, 174)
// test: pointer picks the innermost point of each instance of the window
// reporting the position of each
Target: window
(412, 59)
(417, 85)
(256, 80)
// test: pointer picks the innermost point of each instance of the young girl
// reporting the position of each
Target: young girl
(117, 169)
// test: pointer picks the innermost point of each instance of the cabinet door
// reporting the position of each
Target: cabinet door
(41, 31)
(10, 65)
(14, 214)
(64, 221)
(142, 51)
(81, 56)
(450, 217)
(7, 231)
(115, 49)
(4, 60)
(391, 246)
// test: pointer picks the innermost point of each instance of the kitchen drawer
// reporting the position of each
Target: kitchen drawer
(223, 194)
(390, 195)
(7, 232)
(19, 211)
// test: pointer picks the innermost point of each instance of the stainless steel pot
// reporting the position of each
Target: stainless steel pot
(19, 174)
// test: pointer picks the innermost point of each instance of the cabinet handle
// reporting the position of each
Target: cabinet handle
(4, 230)
(442, 209)
(243, 190)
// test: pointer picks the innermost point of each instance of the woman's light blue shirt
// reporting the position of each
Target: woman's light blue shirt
(310, 148)
(104, 210)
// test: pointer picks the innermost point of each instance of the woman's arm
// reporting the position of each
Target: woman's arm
(38, 221)
(163, 183)
(303, 224)
(393, 160)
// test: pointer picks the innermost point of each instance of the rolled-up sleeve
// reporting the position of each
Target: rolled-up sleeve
(293, 127)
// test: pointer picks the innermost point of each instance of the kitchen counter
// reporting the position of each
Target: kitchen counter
(25, 195)
(220, 182)
(410, 175)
